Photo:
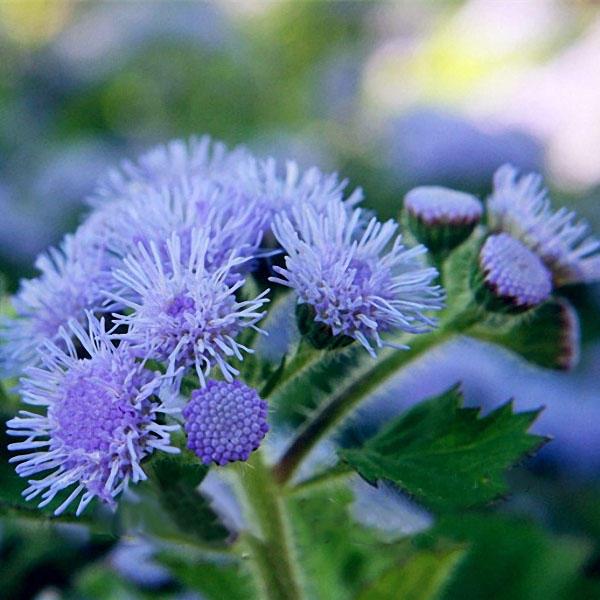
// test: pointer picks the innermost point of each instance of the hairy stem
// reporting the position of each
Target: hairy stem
(346, 399)
(304, 357)
(271, 549)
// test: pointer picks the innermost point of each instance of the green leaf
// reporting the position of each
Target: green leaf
(422, 577)
(548, 336)
(214, 581)
(338, 556)
(511, 559)
(446, 456)
(176, 479)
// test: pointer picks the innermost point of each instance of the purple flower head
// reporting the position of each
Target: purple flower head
(513, 273)
(71, 281)
(357, 280)
(100, 419)
(198, 158)
(184, 313)
(434, 205)
(225, 422)
(277, 189)
(152, 215)
(520, 206)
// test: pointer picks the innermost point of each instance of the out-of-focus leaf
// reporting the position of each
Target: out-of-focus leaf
(548, 336)
(511, 559)
(446, 456)
(422, 577)
(177, 479)
(98, 582)
(338, 556)
(215, 581)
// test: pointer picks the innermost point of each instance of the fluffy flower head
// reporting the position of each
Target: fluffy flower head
(198, 158)
(276, 189)
(357, 280)
(100, 420)
(225, 422)
(520, 206)
(153, 215)
(185, 314)
(70, 282)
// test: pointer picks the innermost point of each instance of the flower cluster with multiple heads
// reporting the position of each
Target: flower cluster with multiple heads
(164, 286)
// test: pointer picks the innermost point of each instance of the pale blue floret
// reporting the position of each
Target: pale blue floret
(520, 206)
(277, 188)
(180, 311)
(153, 215)
(360, 281)
(98, 419)
(197, 158)
(71, 281)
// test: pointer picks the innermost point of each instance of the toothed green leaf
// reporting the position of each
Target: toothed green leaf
(446, 456)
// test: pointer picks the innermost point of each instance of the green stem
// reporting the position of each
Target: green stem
(304, 357)
(271, 549)
(346, 399)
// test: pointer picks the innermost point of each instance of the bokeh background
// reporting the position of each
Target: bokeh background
(391, 94)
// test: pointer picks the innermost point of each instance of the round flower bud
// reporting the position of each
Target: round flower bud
(509, 276)
(225, 422)
(441, 218)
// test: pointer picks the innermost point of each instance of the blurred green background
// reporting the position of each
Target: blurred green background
(391, 94)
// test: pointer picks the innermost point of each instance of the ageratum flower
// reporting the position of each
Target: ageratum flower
(225, 422)
(152, 215)
(277, 189)
(198, 158)
(71, 281)
(99, 419)
(520, 207)
(185, 314)
(358, 282)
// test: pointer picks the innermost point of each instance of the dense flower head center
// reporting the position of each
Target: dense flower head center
(180, 305)
(187, 322)
(225, 422)
(514, 272)
(95, 410)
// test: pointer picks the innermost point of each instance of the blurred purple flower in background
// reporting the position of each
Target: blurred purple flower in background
(429, 146)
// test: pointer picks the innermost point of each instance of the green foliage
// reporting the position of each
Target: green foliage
(547, 336)
(446, 456)
(511, 559)
(422, 577)
(338, 556)
(215, 581)
(176, 480)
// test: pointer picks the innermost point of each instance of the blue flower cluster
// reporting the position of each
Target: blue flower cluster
(154, 276)
(150, 292)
